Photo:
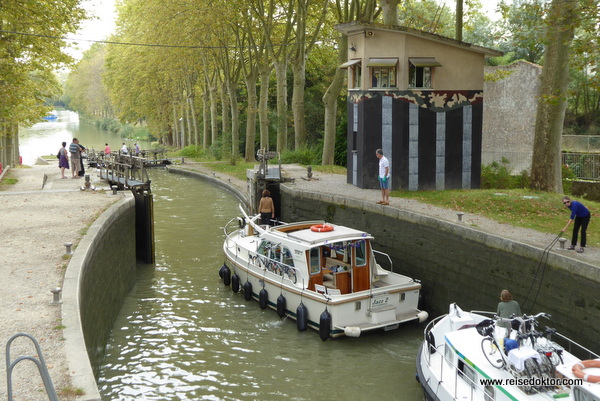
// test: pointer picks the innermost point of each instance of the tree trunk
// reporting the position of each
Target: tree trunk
(235, 121)
(263, 105)
(214, 111)
(205, 118)
(546, 173)
(251, 117)
(299, 70)
(330, 99)
(390, 11)
(175, 127)
(226, 121)
(282, 107)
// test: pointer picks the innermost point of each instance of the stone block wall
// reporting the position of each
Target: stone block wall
(459, 263)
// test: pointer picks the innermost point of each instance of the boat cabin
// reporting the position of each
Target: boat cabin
(324, 261)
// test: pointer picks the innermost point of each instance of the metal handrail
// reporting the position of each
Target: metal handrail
(40, 363)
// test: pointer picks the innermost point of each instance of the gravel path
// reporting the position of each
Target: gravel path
(35, 224)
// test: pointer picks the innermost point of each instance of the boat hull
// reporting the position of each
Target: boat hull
(350, 314)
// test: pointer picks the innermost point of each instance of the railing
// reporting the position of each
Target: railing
(586, 166)
(39, 362)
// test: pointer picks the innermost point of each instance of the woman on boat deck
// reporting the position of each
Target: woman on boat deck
(266, 208)
(507, 307)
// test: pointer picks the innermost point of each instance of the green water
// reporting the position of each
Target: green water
(182, 335)
(45, 137)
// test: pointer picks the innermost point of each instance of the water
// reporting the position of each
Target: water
(45, 138)
(182, 335)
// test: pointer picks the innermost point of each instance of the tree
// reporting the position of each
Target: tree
(563, 18)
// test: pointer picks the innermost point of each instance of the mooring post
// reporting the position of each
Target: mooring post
(68, 245)
(562, 242)
(114, 189)
(460, 215)
(56, 299)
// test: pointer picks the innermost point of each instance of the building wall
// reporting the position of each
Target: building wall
(509, 114)
(458, 263)
(461, 68)
(432, 138)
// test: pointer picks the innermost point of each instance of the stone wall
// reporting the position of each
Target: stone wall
(509, 113)
(99, 276)
(459, 263)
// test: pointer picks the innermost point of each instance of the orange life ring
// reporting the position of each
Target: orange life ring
(321, 228)
(578, 370)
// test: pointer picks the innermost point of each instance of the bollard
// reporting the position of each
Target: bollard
(309, 172)
(182, 160)
(114, 188)
(460, 215)
(87, 181)
(69, 245)
(56, 299)
(562, 243)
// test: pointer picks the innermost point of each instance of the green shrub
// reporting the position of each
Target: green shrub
(306, 156)
(568, 175)
(192, 151)
(497, 175)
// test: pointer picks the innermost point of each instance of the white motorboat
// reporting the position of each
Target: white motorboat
(323, 275)
(463, 357)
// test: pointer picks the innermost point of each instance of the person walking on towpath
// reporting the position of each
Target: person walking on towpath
(75, 151)
(581, 216)
(63, 161)
(384, 177)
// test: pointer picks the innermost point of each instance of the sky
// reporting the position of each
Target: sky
(101, 27)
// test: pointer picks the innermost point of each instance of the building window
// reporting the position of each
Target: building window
(420, 72)
(354, 73)
(383, 72)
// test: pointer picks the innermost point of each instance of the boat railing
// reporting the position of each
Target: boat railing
(576, 348)
(391, 264)
(274, 266)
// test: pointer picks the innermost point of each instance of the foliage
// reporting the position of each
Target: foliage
(498, 175)
(568, 175)
(308, 155)
(193, 151)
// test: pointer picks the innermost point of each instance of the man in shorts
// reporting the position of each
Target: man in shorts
(384, 177)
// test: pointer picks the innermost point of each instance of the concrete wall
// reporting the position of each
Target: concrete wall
(458, 263)
(509, 113)
(99, 276)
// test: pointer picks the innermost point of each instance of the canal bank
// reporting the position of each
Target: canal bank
(468, 261)
(39, 214)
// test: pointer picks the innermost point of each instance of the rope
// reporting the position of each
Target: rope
(541, 267)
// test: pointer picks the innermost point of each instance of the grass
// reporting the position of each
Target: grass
(540, 211)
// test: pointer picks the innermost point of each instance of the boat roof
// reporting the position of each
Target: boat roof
(301, 233)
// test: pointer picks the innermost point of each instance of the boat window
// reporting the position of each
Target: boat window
(315, 265)
(287, 257)
(488, 393)
(449, 355)
(361, 252)
(466, 372)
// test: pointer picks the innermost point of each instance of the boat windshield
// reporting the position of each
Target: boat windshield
(361, 253)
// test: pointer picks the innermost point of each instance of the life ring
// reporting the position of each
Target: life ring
(321, 228)
(578, 370)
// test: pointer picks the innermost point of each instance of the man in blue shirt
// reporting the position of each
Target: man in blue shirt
(581, 216)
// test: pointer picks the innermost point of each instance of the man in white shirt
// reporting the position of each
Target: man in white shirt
(124, 149)
(384, 177)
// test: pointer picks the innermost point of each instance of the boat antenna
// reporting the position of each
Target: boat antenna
(543, 263)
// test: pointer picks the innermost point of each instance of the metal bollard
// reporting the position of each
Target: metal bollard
(87, 181)
(460, 215)
(562, 243)
(69, 245)
(114, 189)
(56, 299)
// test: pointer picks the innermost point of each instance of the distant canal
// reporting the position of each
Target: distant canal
(45, 137)
(182, 335)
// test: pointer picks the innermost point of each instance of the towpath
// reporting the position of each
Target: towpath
(35, 223)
